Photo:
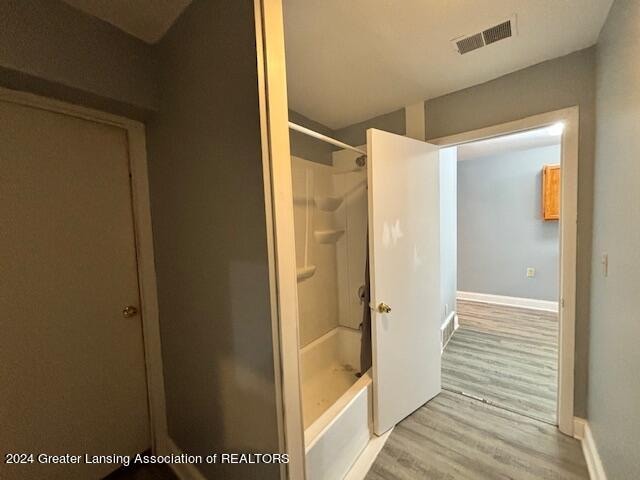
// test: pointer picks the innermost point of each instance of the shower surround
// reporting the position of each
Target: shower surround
(330, 215)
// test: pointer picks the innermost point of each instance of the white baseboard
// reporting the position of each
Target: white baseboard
(364, 462)
(184, 471)
(531, 303)
(582, 432)
(578, 428)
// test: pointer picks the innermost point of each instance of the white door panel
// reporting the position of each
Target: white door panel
(404, 240)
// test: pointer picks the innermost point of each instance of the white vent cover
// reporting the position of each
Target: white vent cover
(492, 34)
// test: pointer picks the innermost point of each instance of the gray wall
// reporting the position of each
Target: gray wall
(204, 150)
(500, 227)
(307, 147)
(50, 48)
(551, 85)
(317, 151)
(559, 83)
(356, 135)
(209, 225)
(614, 388)
(448, 229)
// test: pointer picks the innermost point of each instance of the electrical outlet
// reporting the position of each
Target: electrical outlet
(531, 272)
(605, 264)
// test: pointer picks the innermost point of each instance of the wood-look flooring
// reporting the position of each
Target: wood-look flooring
(454, 437)
(507, 356)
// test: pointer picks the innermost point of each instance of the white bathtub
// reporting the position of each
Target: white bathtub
(336, 404)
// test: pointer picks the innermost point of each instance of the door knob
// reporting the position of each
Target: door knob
(384, 308)
(129, 311)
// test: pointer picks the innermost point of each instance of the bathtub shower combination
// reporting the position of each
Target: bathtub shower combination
(384, 205)
(330, 215)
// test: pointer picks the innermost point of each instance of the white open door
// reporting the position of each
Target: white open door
(404, 249)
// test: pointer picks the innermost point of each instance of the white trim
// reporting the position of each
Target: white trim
(578, 428)
(276, 157)
(368, 456)
(144, 245)
(582, 431)
(147, 282)
(568, 238)
(266, 173)
(532, 303)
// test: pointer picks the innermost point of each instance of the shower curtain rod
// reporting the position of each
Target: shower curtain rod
(324, 138)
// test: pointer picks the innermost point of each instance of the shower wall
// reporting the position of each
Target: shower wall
(317, 292)
(352, 246)
(330, 215)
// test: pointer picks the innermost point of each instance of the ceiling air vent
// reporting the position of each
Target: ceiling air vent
(495, 33)
(499, 32)
(468, 44)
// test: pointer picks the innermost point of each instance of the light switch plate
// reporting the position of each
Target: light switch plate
(531, 272)
(605, 264)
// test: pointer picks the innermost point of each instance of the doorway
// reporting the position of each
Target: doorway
(505, 350)
(530, 330)
(77, 287)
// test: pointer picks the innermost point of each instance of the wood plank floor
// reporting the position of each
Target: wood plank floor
(454, 437)
(507, 356)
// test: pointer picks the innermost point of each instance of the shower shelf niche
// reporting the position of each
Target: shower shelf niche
(328, 204)
(327, 236)
(303, 273)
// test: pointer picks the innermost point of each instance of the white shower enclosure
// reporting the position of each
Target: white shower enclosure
(393, 199)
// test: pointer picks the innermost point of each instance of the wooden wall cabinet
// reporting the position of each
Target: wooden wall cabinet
(551, 192)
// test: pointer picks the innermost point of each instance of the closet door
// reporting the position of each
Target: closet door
(404, 236)
(72, 365)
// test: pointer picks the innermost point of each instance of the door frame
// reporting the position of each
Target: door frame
(143, 238)
(278, 186)
(568, 238)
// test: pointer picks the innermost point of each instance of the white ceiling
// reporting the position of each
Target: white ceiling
(348, 61)
(148, 20)
(541, 137)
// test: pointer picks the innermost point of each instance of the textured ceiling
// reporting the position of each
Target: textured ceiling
(348, 61)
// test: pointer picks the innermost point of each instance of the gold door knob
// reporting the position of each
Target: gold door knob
(384, 308)
(129, 311)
